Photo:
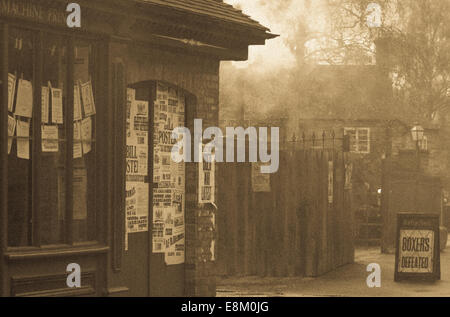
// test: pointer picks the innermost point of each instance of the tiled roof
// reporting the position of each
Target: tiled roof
(216, 9)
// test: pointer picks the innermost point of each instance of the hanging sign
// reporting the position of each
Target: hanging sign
(417, 247)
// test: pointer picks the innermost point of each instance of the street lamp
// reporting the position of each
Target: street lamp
(417, 133)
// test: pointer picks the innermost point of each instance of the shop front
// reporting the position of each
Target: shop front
(86, 119)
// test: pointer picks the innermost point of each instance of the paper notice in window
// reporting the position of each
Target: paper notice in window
(11, 130)
(77, 148)
(50, 138)
(76, 104)
(24, 102)
(23, 139)
(88, 99)
(45, 105)
(57, 106)
(11, 91)
(86, 134)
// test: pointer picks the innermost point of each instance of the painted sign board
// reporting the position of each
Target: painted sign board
(417, 247)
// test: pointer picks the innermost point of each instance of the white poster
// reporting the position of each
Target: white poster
(158, 230)
(137, 207)
(88, 99)
(50, 141)
(86, 134)
(76, 103)
(24, 102)
(45, 103)
(11, 91)
(416, 251)
(77, 147)
(11, 131)
(23, 139)
(57, 106)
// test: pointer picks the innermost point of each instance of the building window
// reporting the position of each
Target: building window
(423, 144)
(51, 139)
(359, 139)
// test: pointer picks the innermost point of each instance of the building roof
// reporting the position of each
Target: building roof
(215, 9)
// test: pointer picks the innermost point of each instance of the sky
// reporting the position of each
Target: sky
(283, 17)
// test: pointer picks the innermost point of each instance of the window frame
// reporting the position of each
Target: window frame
(357, 140)
(99, 79)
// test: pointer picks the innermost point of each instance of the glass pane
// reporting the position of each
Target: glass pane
(20, 104)
(53, 152)
(84, 173)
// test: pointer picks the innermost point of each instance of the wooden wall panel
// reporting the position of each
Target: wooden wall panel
(292, 230)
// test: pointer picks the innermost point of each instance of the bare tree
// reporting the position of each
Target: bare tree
(412, 44)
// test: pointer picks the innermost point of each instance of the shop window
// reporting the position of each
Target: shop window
(359, 139)
(47, 156)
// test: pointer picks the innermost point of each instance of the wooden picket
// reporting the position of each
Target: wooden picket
(292, 230)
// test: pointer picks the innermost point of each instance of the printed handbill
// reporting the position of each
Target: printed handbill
(86, 134)
(206, 180)
(45, 101)
(77, 103)
(23, 139)
(50, 141)
(77, 148)
(24, 102)
(88, 99)
(11, 131)
(57, 106)
(158, 230)
(11, 91)
(136, 207)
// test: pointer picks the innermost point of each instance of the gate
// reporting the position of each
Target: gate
(303, 226)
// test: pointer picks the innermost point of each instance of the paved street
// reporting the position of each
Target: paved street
(349, 280)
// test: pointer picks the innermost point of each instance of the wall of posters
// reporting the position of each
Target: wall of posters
(137, 185)
(169, 178)
(260, 181)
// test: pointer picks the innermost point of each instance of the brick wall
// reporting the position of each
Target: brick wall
(200, 76)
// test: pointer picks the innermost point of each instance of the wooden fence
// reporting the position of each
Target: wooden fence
(292, 230)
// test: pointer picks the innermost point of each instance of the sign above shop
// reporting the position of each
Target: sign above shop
(417, 247)
(30, 10)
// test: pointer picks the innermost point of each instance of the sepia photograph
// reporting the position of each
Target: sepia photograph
(223, 156)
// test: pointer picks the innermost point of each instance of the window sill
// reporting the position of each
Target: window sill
(54, 251)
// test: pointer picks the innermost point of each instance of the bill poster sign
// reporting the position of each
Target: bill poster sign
(417, 247)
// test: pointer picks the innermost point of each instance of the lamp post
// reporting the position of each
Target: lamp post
(417, 136)
(417, 133)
